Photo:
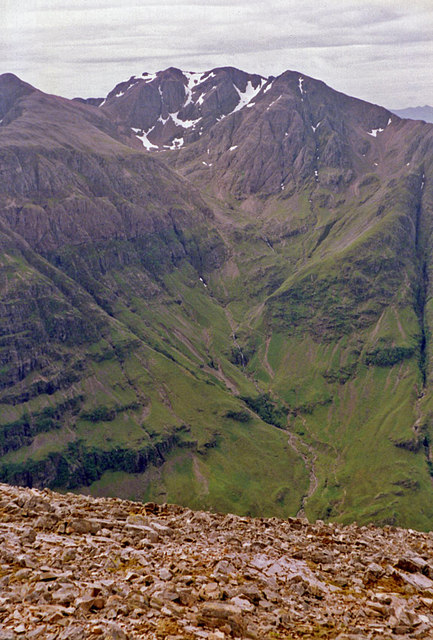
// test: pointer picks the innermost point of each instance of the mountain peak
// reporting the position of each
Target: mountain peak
(205, 115)
(164, 110)
(10, 82)
(12, 89)
(424, 113)
(171, 109)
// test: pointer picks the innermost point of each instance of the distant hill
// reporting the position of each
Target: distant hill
(415, 113)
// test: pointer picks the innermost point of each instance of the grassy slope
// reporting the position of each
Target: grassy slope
(329, 324)
(339, 343)
(157, 371)
(320, 318)
(112, 352)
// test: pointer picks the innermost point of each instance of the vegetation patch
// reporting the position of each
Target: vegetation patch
(341, 375)
(80, 465)
(21, 432)
(388, 356)
(268, 410)
(239, 416)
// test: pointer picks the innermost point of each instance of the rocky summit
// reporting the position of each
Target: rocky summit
(75, 567)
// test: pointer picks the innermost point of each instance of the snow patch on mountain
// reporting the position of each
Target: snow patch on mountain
(273, 102)
(142, 136)
(148, 77)
(186, 124)
(374, 132)
(208, 75)
(248, 95)
(121, 92)
(201, 98)
(176, 143)
(300, 83)
(193, 79)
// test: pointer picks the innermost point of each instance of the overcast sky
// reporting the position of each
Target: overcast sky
(378, 50)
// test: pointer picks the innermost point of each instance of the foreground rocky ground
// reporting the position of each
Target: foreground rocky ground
(74, 567)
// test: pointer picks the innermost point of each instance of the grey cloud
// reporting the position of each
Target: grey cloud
(67, 47)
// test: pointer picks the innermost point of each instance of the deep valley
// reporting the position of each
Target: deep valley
(216, 290)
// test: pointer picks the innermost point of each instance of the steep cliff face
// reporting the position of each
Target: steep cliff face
(220, 283)
(68, 179)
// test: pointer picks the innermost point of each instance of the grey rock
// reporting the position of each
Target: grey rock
(165, 574)
(115, 632)
(73, 632)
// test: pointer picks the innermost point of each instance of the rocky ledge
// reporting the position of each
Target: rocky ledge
(74, 567)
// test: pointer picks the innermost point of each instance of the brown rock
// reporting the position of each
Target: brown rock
(215, 614)
(83, 526)
(165, 574)
(210, 591)
(231, 576)
(373, 573)
(28, 536)
(416, 580)
(411, 564)
(115, 632)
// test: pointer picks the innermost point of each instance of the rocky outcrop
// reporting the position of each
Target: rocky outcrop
(75, 567)
(80, 465)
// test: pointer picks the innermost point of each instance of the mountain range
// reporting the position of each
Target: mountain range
(215, 290)
(416, 113)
